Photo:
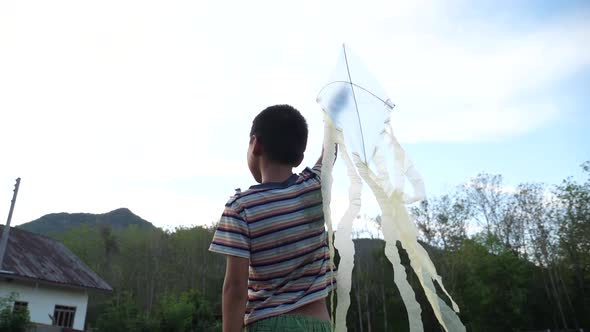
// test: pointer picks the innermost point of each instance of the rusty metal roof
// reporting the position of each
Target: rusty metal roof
(40, 258)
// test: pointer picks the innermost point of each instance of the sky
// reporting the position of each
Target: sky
(148, 104)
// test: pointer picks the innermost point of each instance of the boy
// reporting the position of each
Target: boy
(278, 264)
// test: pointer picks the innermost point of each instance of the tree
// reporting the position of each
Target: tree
(442, 221)
(494, 288)
(538, 241)
(13, 320)
(122, 314)
(176, 314)
(572, 214)
(494, 209)
(189, 311)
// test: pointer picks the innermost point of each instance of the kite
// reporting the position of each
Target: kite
(357, 119)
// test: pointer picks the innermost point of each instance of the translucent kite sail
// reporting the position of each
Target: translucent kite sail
(357, 114)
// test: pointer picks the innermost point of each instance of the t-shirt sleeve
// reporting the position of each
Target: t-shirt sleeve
(317, 168)
(232, 236)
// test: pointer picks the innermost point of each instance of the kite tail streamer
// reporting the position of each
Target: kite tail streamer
(328, 159)
(411, 173)
(421, 264)
(343, 238)
(397, 225)
(344, 242)
(404, 168)
(391, 252)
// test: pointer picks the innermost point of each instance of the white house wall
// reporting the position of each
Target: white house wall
(42, 300)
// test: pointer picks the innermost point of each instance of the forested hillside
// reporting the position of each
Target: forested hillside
(514, 260)
(56, 223)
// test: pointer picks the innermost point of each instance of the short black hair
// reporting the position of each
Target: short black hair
(282, 132)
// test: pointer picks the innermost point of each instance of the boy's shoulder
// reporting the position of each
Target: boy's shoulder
(261, 193)
(240, 196)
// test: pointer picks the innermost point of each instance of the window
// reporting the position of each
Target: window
(64, 316)
(20, 306)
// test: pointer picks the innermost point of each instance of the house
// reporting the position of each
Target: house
(49, 279)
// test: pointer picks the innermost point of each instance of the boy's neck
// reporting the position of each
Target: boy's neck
(273, 172)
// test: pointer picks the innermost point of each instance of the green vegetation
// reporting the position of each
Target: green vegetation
(163, 281)
(189, 311)
(514, 260)
(13, 320)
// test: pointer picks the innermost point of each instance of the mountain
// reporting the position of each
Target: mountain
(56, 223)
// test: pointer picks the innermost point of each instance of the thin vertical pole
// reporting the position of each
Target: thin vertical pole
(356, 106)
(4, 240)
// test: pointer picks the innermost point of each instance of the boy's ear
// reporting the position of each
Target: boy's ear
(256, 146)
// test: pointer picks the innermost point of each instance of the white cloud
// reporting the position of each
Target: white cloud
(109, 104)
(478, 122)
(498, 86)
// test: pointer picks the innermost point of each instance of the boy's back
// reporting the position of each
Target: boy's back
(273, 234)
(279, 227)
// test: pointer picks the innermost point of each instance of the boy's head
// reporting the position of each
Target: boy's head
(280, 133)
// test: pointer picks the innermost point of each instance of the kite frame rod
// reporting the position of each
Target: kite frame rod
(358, 86)
(358, 115)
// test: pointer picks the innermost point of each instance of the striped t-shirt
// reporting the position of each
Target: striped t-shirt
(279, 227)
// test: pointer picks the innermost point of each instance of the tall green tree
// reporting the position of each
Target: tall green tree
(572, 214)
